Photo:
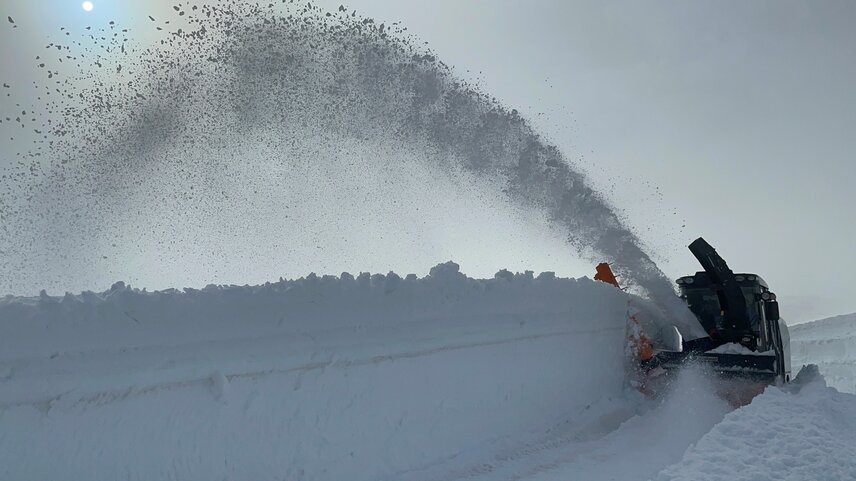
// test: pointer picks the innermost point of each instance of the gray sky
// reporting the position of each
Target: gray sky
(731, 120)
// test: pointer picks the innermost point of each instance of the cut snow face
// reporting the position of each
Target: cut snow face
(198, 145)
(320, 378)
(831, 345)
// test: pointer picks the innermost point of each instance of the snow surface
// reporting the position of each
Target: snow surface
(634, 442)
(809, 434)
(380, 378)
(831, 345)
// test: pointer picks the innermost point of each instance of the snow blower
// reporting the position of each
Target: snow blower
(746, 339)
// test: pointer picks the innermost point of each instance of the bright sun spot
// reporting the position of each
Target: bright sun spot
(88, 6)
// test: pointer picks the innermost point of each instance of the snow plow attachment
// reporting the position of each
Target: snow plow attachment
(754, 366)
(746, 340)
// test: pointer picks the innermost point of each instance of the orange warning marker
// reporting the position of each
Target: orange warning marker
(604, 274)
(642, 346)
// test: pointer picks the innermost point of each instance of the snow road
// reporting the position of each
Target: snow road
(375, 378)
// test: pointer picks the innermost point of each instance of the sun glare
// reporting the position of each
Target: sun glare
(88, 6)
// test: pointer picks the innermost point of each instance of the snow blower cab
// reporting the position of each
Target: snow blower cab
(745, 336)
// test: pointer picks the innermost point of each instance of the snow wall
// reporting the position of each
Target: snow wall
(831, 345)
(318, 378)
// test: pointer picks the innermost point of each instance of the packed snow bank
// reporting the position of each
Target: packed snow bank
(831, 345)
(319, 378)
(806, 431)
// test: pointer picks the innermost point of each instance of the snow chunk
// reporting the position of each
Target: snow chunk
(546, 276)
(219, 386)
(504, 274)
(448, 270)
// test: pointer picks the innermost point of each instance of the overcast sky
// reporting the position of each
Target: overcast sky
(731, 120)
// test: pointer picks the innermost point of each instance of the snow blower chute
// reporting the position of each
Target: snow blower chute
(745, 339)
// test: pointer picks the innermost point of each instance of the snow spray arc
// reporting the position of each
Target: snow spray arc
(281, 76)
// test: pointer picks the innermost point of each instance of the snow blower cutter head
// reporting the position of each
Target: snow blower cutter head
(746, 339)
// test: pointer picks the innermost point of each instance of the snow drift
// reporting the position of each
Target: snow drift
(805, 431)
(319, 378)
